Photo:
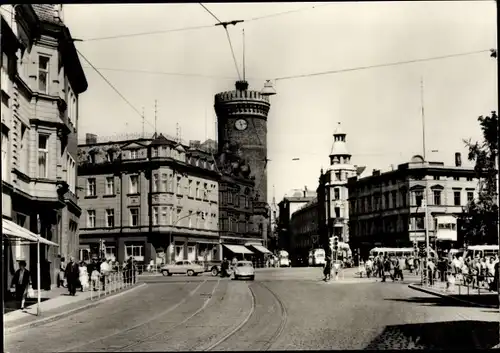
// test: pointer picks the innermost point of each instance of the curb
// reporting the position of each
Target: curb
(451, 297)
(72, 311)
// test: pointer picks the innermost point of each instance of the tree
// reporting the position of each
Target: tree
(481, 215)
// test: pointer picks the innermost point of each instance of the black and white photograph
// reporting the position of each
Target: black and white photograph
(250, 176)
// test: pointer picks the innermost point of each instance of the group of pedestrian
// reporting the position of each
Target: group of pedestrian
(330, 266)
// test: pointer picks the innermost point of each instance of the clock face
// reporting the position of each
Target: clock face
(241, 124)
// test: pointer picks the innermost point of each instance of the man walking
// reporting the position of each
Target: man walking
(72, 274)
(21, 282)
(327, 271)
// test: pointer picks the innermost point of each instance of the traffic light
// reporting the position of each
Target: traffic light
(421, 251)
(415, 247)
(335, 243)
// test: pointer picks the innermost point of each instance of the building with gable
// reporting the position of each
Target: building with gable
(148, 198)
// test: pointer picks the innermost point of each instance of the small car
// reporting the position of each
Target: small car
(244, 269)
(182, 267)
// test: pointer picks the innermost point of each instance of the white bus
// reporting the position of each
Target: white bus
(391, 252)
(481, 251)
(283, 259)
(317, 257)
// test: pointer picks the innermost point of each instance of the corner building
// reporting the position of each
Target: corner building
(41, 82)
(151, 199)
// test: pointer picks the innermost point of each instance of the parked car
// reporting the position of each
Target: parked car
(244, 269)
(182, 267)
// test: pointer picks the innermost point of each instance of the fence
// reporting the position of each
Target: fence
(101, 285)
(463, 284)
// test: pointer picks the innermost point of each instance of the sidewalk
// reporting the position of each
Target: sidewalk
(57, 306)
(473, 297)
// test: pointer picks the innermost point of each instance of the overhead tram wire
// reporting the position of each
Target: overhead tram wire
(225, 24)
(164, 73)
(200, 27)
(114, 88)
(397, 63)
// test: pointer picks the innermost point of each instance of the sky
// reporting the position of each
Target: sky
(379, 108)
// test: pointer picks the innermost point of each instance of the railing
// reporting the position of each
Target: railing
(102, 285)
(466, 284)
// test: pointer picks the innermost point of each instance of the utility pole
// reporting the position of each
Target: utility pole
(156, 114)
(426, 196)
(143, 120)
(244, 71)
(422, 114)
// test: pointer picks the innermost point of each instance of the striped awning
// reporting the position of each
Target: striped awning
(238, 249)
(11, 229)
(261, 248)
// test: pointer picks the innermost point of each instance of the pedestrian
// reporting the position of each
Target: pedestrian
(327, 270)
(72, 274)
(21, 282)
(224, 268)
(336, 269)
(431, 271)
(369, 267)
(105, 268)
(83, 276)
(61, 277)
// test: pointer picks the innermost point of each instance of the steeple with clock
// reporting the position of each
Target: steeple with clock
(242, 121)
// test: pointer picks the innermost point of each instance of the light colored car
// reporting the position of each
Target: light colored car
(244, 269)
(183, 267)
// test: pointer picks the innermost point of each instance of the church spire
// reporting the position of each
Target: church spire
(339, 153)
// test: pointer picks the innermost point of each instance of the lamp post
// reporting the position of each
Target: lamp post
(170, 253)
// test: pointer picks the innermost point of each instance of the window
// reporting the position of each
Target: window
(179, 186)
(135, 251)
(338, 176)
(156, 181)
(337, 212)
(190, 219)
(110, 156)
(91, 218)
(336, 194)
(155, 215)
(205, 191)
(437, 197)
(470, 196)
(110, 218)
(71, 172)
(5, 144)
(110, 252)
(110, 185)
(197, 189)
(155, 152)
(456, 178)
(469, 178)
(403, 198)
(164, 213)
(418, 197)
(43, 73)
(394, 198)
(134, 184)
(456, 197)
(133, 154)
(230, 197)
(134, 217)
(43, 154)
(419, 223)
(436, 177)
(91, 187)
(190, 188)
(164, 182)
(4, 76)
(23, 165)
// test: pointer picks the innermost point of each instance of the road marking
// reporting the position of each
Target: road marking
(140, 324)
(176, 325)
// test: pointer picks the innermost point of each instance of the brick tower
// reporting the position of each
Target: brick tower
(242, 121)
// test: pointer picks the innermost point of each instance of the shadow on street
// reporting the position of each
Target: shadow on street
(434, 301)
(12, 305)
(439, 335)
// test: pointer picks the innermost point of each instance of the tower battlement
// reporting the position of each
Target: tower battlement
(242, 102)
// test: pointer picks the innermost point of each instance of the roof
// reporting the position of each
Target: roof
(46, 13)
(338, 130)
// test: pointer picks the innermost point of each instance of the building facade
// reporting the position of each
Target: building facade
(387, 209)
(151, 199)
(304, 228)
(42, 79)
(242, 126)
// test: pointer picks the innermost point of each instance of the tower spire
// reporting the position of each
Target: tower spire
(339, 153)
(244, 68)
(156, 114)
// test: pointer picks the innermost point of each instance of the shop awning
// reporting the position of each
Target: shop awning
(238, 249)
(11, 229)
(260, 248)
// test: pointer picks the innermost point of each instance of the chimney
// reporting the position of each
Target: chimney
(90, 139)
(458, 159)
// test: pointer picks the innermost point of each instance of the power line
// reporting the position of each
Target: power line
(211, 13)
(147, 33)
(232, 52)
(200, 27)
(114, 88)
(382, 65)
(163, 73)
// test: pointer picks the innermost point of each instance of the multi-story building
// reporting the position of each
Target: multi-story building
(42, 79)
(151, 199)
(387, 209)
(304, 229)
(292, 201)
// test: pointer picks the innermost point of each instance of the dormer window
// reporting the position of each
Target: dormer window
(91, 157)
(110, 156)
(155, 152)
(133, 154)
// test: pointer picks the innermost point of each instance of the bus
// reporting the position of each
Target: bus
(283, 259)
(317, 257)
(481, 251)
(391, 252)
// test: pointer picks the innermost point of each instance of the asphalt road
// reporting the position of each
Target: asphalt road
(282, 309)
